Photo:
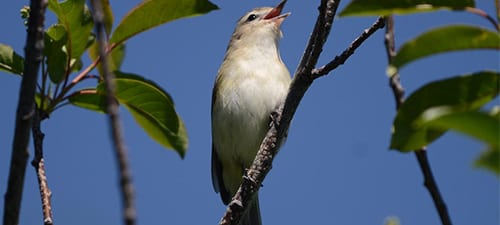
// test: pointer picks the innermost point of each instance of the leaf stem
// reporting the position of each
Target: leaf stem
(56, 92)
(80, 77)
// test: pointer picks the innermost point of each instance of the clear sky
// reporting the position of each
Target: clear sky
(335, 168)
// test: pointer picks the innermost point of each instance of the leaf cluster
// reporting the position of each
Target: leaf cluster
(62, 67)
(456, 103)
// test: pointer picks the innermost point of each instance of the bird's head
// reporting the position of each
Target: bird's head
(261, 24)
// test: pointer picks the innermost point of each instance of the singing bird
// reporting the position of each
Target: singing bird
(252, 81)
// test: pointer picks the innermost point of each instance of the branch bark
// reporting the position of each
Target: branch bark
(303, 78)
(340, 59)
(39, 164)
(127, 188)
(25, 112)
(485, 15)
(420, 154)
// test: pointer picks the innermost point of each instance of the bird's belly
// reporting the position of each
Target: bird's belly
(241, 119)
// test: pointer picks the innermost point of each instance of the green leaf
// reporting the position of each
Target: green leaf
(55, 52)
(490, 160)
(152, 13)
(387, 7)
(152, 108)
(76, 65)
(158, 132)
(115, 58)
(479, 125)
(89, 99)
(75, 16)
(460, 94)
(46, 103)
(10, 61)
(446, 39)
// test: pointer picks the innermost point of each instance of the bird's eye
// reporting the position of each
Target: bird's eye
(252, 17)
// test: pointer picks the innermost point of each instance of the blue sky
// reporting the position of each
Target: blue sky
(335, 168)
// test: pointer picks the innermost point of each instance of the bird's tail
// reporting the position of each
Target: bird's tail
(253, 215)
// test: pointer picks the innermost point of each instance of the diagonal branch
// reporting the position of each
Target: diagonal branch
(127, 188)
(340, 59)
(25, 112)
(304, 76)
(421, 154)
(327, 11)
(269, 147)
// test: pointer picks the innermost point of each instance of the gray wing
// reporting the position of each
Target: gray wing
(217, 180)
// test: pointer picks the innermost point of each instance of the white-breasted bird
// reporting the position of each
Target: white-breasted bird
(252, 81)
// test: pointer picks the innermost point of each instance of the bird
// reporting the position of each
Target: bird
(251, 83)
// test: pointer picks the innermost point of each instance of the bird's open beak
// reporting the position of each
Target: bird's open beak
(275, 13)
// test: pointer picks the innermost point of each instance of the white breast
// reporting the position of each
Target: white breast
(241, 110)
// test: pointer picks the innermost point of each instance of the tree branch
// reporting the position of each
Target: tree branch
(127, 189)
(421, 154)
(432, 187)
(39, 164)
(485, 15)
(390, 47)
(304, 76)
(25, 112)
(340, 59)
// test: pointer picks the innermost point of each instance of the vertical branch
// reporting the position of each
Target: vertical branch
(39, 164)
(25, 110)
(390, 47)
(127, 189)
(421, 154)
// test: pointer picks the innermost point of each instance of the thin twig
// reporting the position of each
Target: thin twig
(80, 77)
(304, 76)
(25, 111)
(485, 15)
(340, 59)
(327, 11)
(431, 185)
(75, 81)
(39, 164)
(127, 188)
(421, 154)
(390, 47)
(497, 9)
